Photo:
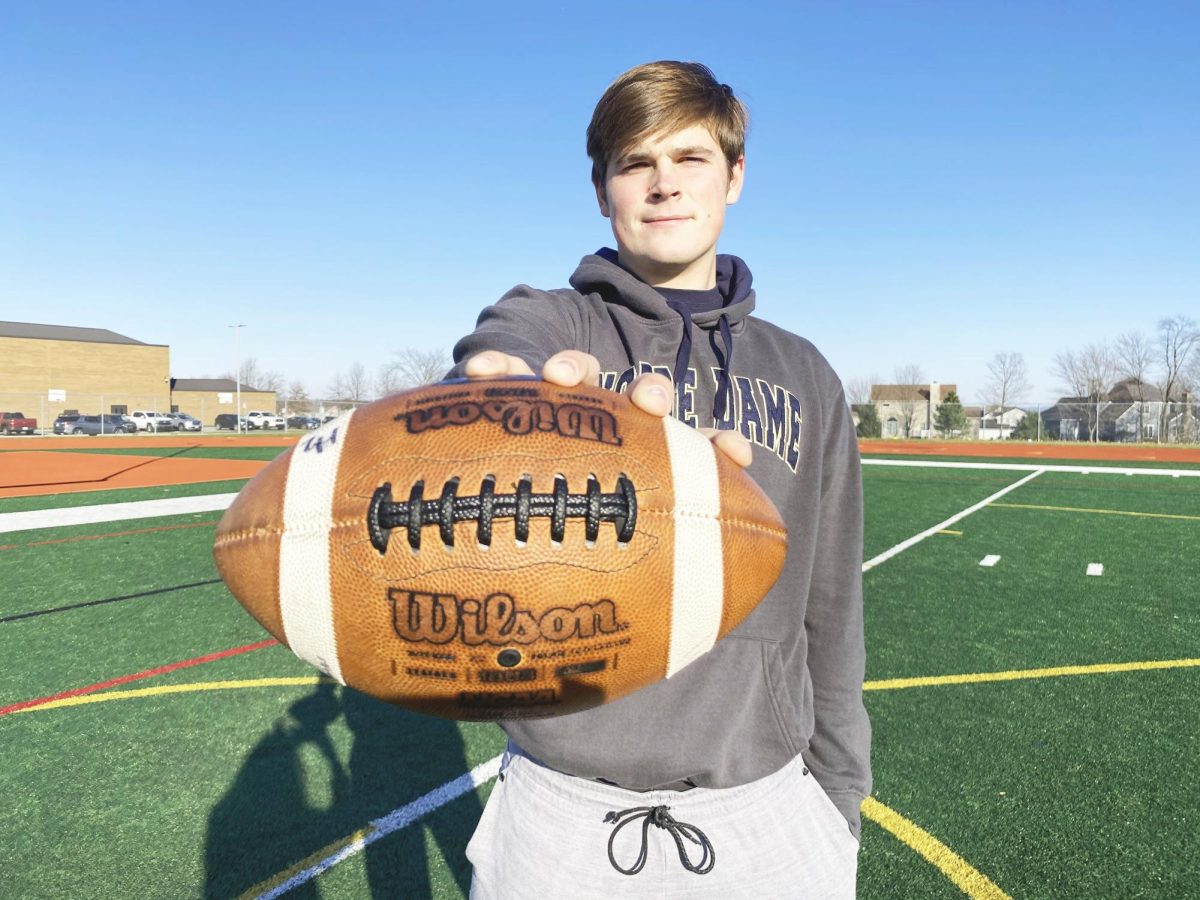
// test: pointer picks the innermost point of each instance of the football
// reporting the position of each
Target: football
(500, 549)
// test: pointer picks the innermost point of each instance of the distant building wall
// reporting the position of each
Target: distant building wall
(87, 376)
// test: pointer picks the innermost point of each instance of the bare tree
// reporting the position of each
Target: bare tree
(413, 367)
(1134, 356)
(353, 386)
(1086, 375)
(1178, 345)
(858, 390)
(256, 378)
(297, 397)
(1008, 382)
(909, 404)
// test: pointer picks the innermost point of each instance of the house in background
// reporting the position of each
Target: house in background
(908, 410)
(998, 425)
(1131, 411)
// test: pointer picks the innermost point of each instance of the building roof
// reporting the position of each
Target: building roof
(907, 393)
(217, 385)
(38, 332)
(1131, 390)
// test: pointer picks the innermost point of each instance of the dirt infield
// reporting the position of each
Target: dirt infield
(70, 442)
(1050, 450)
(26, 473)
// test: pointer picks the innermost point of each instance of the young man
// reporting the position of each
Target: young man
(752, 761)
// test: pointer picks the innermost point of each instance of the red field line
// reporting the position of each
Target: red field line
(137, 676)
(71, 442)
(111, 534)
(1045, 450)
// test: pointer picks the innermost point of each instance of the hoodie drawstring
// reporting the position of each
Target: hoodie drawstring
(723, 402)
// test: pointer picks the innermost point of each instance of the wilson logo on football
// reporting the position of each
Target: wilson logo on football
(440, 618)
(571, 420)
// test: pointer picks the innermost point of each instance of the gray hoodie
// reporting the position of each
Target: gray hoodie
(788, 680)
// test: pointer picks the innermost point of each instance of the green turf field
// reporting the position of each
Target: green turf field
(204, 781)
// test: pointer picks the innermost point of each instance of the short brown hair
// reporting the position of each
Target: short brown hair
(661, 97)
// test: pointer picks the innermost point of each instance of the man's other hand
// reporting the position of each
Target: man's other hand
(649, 392)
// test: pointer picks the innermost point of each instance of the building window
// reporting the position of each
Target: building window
(893, 428)
(119, 410)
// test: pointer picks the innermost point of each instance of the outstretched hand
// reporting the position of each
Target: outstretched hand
(649, 392)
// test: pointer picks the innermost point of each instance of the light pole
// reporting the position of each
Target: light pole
(237, 374)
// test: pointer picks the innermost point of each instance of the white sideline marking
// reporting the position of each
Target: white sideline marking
(394, 821)
(1095, 568)
(989, 560)
(1029, 467)
(917, 538)
(32, 519)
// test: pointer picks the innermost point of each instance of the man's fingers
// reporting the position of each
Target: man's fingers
(652, 393)
(494, 364)
(731, 443)
(571, 367)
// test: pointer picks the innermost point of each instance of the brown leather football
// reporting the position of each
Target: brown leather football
(500, 549)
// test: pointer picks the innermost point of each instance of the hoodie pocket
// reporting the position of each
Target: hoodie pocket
(768, 699)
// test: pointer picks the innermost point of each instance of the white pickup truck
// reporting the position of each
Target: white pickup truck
(148, 420)
(260, 419)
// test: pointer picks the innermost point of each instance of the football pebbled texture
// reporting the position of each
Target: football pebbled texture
(500, 549)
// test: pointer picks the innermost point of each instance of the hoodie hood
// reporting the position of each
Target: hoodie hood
(600, 273)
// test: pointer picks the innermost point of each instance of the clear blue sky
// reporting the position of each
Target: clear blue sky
(927, 182)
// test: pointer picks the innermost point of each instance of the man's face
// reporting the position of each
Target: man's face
(666, 197)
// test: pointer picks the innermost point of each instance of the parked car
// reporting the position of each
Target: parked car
(65, 424)
(153, 421)
(184, 422)
(109, 423)
(229, 422)
(262, 419)
(303, 422)
(17, 423)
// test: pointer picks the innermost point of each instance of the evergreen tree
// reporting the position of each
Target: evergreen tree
(950, 419)
(869, 425)
(1027, 429)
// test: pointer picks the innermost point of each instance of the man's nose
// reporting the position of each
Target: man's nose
(666, 181)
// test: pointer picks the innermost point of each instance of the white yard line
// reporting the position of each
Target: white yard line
(1030, 467)
(393, 821)
(32, 519)
(917, 538)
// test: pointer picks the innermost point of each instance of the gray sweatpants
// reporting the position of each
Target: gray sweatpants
(543, 836)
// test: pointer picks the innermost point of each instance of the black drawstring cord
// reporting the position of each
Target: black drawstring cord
(723, 410)
(660, 816)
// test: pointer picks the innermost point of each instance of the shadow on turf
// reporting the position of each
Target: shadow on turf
(265, 823)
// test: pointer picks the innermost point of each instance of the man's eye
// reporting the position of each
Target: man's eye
(629, 167)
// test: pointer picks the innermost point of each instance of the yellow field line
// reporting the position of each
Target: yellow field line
(178, 689)
(311, 860)
(893, 684)
(1103, 512)
(955, 533)
(966, 877)
(886, 684)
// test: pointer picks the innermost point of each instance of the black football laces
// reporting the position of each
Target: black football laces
(523, 505)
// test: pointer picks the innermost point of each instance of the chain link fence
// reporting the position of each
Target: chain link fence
(1080, 419)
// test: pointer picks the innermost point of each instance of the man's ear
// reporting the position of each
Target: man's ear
(737, 176)
(602, 199)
